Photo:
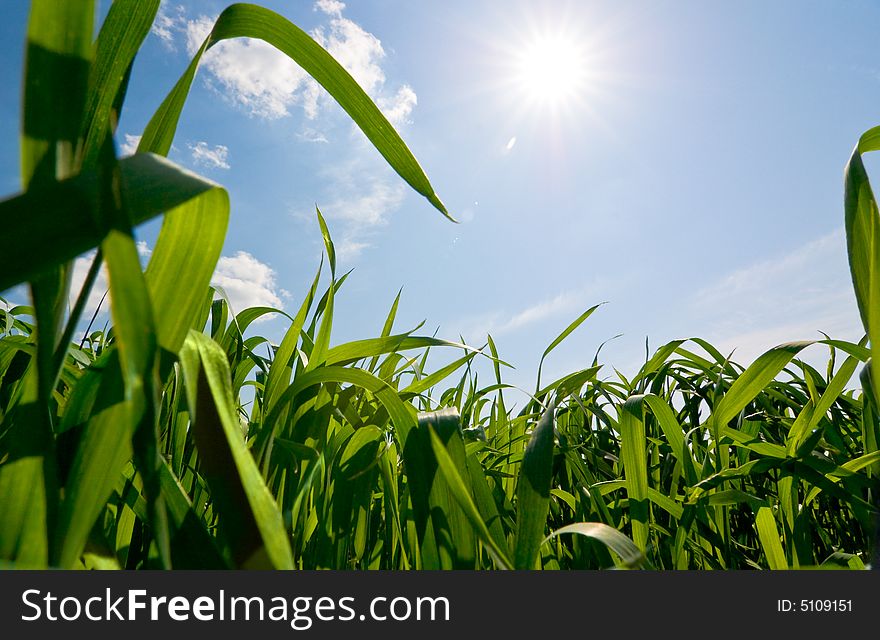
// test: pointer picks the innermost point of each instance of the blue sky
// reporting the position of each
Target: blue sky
(692, 179)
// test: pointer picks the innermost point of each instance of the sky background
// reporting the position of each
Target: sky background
(692, 179)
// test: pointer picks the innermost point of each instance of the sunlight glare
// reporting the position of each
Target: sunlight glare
(552, 70)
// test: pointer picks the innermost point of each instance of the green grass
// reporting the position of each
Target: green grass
(178, 437)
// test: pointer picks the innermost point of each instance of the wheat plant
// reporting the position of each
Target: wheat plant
(178, 437)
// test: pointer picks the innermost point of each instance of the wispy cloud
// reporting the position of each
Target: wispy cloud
(348, 249)
(363, 200)
(248, 282)
(790, 297)
(510, 144)
(312, 135)
(398, 107)
(566, 304)
(169, 21)
(214, 157)
(360, 195)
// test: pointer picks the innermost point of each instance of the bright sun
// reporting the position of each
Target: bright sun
(551, 70)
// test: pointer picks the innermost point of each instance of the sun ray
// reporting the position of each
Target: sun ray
(552, 69)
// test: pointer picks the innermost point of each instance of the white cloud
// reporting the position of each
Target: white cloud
(366, 204)
(81, 268)
(215, 157)
(247, 282)
(398, 108)
(195, 32)
(348, 249)
(330, 7)
(252, 73)
(267, 84)
(312, 135)
(168, 22)
(359, 51)
(510, 144)
(566, 304)
(130, 145)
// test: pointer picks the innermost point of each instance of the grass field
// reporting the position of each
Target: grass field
(181, 438)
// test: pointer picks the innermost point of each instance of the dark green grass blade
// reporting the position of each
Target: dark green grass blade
(122, 33)
(458, 488)
(862, 223)
(54, 224)
(249, 513)
(633, 449)
(57, 60)
(533, 492)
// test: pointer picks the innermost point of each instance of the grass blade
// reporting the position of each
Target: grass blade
(631, 557)
(533, 492)
(250, 21)
(768, 534)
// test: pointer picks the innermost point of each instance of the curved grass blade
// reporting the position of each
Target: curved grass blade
(754, 379)
(249, 515)
(862, 223)
(631, 557)
(57, 222)
(177, 276)
(250, 21)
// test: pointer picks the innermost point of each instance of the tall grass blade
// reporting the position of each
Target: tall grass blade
(533, 491)
(249, 514)
(250, 21)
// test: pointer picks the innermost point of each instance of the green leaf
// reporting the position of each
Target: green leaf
(249, 515)
(57, 222)
(104, 449)
(124, 29)
(633, 451)
(177, 276)
(462, 496)
(562, 336)
(57, 59)
(768, 534)
(754, 379)
(631, 557)
(533, 492)
(250, 21)
(862, 223)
